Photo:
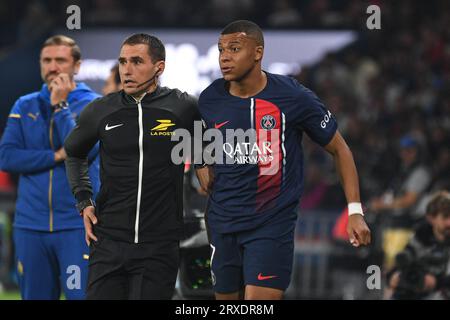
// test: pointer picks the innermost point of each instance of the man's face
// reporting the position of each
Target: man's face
(55, 60)
(111, 85)
(238, 55)
(408, 155)
(136, 67)
(441, 225)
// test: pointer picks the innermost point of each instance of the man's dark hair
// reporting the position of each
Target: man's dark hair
(156, 49)
(60, 40)
(115, 70)
(250, 28)
(439, 204)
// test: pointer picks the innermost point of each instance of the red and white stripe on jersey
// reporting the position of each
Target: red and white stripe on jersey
(269, 123)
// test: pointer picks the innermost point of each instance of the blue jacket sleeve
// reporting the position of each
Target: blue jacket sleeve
(65, 123)
(14, 156)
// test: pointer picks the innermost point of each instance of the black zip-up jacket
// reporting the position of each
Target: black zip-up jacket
(425, 254)
(141, 193)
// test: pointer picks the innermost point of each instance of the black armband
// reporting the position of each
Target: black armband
(84, 204)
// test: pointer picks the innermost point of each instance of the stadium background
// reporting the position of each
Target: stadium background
(381, 85)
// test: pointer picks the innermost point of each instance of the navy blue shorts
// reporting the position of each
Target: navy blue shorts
(261, 257)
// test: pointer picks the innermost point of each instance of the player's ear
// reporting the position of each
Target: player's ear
(76, 68)
(259, 51)
(161, 65)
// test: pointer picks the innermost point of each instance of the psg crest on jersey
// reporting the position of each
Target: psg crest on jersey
(268, 122)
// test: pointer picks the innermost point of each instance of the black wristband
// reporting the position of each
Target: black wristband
(83, 195)
(84, 204)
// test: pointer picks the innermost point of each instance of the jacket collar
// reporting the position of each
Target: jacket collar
(129, 99)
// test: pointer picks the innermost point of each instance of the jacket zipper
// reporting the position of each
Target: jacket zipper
(50, 185)
(141, 169)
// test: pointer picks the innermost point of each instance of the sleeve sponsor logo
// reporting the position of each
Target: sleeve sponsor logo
(326, 120)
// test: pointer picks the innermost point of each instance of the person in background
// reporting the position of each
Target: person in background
(398, 204)
(112, 83)
(422, 270)
(48, 232)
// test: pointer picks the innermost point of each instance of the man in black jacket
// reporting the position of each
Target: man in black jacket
(134, 227)
(423, 268)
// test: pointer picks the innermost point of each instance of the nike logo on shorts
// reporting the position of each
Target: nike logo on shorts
(261, 277)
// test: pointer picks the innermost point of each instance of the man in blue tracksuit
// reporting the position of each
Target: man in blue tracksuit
(48, 231)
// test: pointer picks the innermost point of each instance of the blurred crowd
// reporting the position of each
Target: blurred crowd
(390, 92)
(21, 20)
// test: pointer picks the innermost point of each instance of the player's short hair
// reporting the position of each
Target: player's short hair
(439, 204)
(249, 27)
(60, 40)
(115, 71)
(156, 49)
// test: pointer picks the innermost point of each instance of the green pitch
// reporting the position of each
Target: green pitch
(10, 295)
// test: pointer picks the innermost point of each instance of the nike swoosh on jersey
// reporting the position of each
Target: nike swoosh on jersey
(217, 126)
(107, 128)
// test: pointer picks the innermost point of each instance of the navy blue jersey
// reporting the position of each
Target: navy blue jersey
(261, 178)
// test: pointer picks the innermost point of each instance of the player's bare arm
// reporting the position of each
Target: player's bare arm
(358, 231)
(205, 176)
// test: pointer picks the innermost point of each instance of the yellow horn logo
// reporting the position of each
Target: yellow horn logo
(163, 125)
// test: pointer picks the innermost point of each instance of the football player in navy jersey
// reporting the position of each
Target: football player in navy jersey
(258, 182)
